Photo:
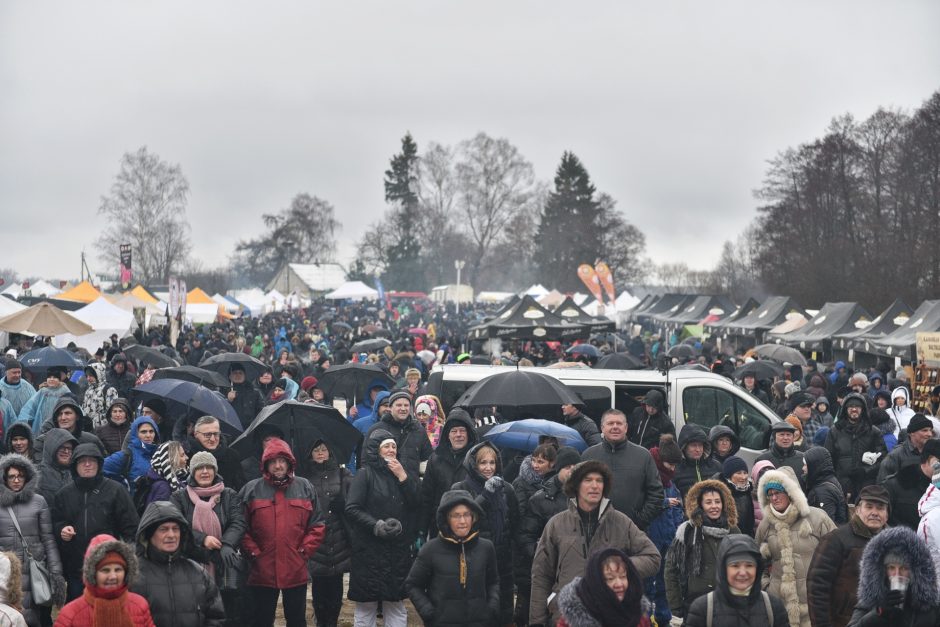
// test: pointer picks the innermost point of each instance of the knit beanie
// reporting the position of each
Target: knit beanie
(203, 458)
(791, 389)
(412, 372)
(307, 383)
(669, 450)
(566, 456)
(793, 420)
(111, 557)
(732, 465)
(397, 395)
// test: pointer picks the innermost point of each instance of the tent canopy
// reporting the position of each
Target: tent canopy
(353, 290)
(140, 292)
(84, 292)
(901, 343)
(832, 319)
(695, 311)
(197, 296)
(738, 314)
(771, 313)
(569, 311)
(105, 318)
(888, 321)
(667, 305)
(526, 319)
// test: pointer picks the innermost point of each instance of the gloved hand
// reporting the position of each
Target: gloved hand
(894, 598)
(229, 556)
(676, 621)
(493, 484)
(870, 458)
(380, 530)
(392, 526)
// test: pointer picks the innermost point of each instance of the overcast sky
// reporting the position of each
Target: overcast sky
(674, 107)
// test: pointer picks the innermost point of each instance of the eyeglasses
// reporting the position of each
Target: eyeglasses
(209, 436)
(15, 478)
(458, 516)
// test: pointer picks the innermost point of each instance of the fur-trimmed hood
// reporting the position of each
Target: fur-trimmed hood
(922, 593)
(7, 496)
(727, 500)
(790, 485)
(576, 614)
(100, 546)
(11, 579)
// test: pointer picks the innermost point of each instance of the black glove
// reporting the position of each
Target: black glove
(229, 556)
(894, 599)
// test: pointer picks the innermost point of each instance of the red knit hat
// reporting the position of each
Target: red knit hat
(308, 382)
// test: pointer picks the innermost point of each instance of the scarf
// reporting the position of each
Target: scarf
(601, 602)
(497, 509)
(205, 519)
(783, 526)
(108, 606)
(160, 462)
(716, 529)
(665, 475)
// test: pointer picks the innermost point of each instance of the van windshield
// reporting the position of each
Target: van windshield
(708, 407)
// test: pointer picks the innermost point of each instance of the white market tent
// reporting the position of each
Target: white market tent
(493, 297)
(105, 318)
(129, 302)
(252, 298)
(227, 304)
(353, 290)
(7, 307)
(536, 291)
(38, 288)
(202, 313)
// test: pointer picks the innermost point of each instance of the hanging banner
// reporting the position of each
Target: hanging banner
(183, 295)
(174, 296)
(125, 266)
(588, 276)
(607, 279)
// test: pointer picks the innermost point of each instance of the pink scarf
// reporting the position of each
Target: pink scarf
(205, 519)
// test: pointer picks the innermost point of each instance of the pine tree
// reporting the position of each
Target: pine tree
(569, 231)
(403, 271)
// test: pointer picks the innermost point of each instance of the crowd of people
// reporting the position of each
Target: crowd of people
(141, 514)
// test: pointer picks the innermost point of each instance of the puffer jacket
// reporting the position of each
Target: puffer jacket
(331, 483)
(414, 446)
(929, 528)
(823, 490)
(585, 427)
(52, 476)
(379, 565)
(454, 582)
(112, 435)
(228, 507)
(444, 469)
(723, 431)
(689, 472)
(900, 456)
(117, 466)
(900, 414)
(693, 556)
(544, 504)
(98, 397)
(906, 487)
(641, 498)
(180, 591)
(576, 614)
(846, 444)
(563, 551)
(644, 430)
(787, 542)
(35, 519)
(833, 574)
(285, 525)
(731, 610)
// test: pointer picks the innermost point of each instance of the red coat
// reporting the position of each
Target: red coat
(285, 526)
(81, 611)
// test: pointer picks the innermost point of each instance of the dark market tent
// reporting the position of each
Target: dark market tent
(668, 305)
(648, 301)
(739, 313)
(527, 320)
(889, 321)
(817, 333)
(925, 319)
(771, 313)
(569, 311)
(700, 308)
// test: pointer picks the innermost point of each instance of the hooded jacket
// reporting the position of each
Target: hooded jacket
(731, 610)
(454, 581)
(83, 437)
(123, 382)
(900, 415)
(20, 430)
(179, 590)
(690, 472)
(414, 446)
(644, 430)
(922, 600)
(38, 409)
(117, 466)
(284, 524)
(331, 482)
(379, 565)
(445, 468)
(52, 476)
(365, 407)
(111, 434)
(98, 396)
(906, 487)
(847, 443)
(787, 541)
(720, 431)
(641, 498)
(823, 490)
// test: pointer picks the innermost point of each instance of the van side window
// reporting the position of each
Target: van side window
(708, 407)
(596, 400)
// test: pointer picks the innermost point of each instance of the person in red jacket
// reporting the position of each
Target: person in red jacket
(285, 527)
(110, 566)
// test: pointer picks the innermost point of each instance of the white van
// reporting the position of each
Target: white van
(692, 396)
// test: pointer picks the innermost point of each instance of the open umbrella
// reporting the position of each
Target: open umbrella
(523, 435)
(50, 357)
(223, 362)
(520, 388)
(370, 345)
(44, 319)
(762, 370)
(341, 327)
(208, 378)
(619, 361)
(417, 331)
(696, 367)
(303, 424)
(189, 395)
(780, 353)
(352, 381)
(480, 360)
(584, 349)
(382, 333)
(682, 351)
(150, 355)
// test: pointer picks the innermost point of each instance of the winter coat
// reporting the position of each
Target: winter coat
(693, 555)
(722, 431)
(365, 407)
(690, 472)
(39, 407)
(730, 610)
(823, 490)
(52, 476)
(92, 506)
(18, 394)
(248, 402)
(414, 446)
(901, 415)
(585, 427)
(792, 457)
(118, 467)
(563, 551)
(180, 591)
(444, 469)
(922, 600)
(544, 504)
(641, 498)
(900, 456)
(123, 382)
(755, 479)
(454, 582)
(35, 519)
(81, 611)
(332, 484)
(929, 527)
(846, 444)
(230, 510)
(906, 487)
(285, 525)
(379, 565)
(576, 614)
(744, 502)
(644, 430)
(99, 397)
(788, 542)
(526, 484)
(112, 435)
(83, 437)
(833, 574)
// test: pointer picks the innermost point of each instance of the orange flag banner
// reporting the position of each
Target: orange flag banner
(607, 279)
(589, 277)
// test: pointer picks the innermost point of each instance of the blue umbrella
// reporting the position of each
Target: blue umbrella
(584, 349)
(51, 357)
(193, 396)
(523, 435)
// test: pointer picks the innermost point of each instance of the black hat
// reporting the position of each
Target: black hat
(918, 422)
(857, 400)
(876, 493)
(931, 449)
(800, 398)
(156, 405)
(566, 456)
(782, 425)
(11, 363)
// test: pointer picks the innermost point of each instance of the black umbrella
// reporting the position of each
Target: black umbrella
(480, 360)
(303, 424)
(341, 327)
(222, 362)
(781, 354)
(682, 351)
(368, 346)
(520, 388)
(150, 355)
(208, 378)
(762, 370)
(619, 361)
(50, 357)
(382, 332)
(189, 395)
(352, 381)
(696, 367)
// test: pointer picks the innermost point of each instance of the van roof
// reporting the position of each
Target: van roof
(477, 372)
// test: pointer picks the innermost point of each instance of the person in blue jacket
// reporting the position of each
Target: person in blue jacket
(365, 423)
(126, 465)
(663, 528)
(364, 408)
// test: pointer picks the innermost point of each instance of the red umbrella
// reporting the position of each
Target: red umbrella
(417, 331)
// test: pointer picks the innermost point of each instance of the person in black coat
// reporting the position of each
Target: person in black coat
(857, 448)
(381, 510)
(823, 489)
(736, 478)
(697, 463)
(244, 397)
(908, 485)
(782, 451)
(91, 504)
(414, 446)
(207, 436)
(585, 426)
(454, 581)
(445, 467)
(650, 420)
(546, 502)
(332, 559)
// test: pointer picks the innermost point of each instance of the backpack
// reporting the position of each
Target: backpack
(141, 496)
(710, 608)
